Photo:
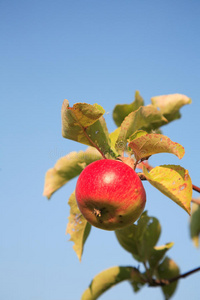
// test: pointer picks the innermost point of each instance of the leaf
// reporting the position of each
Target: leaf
(84, 123)
(169, 105)
(151, 229)
(113, 138)
(168, 269)
(127, 237)
(77, 227)
(140, 239)
(138, 280)
(157, 254)
(137, 286)
(174, 182)
(68, 167)
(146, 117)
(77, 118)
(144, 145)
(122, 110)
(99, 135)
(105, 280)
(195, 224)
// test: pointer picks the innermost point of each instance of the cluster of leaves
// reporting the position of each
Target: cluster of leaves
(140, 240)
(138, 135)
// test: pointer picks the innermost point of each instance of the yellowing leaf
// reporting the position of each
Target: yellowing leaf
(77, 227)
(144, 145)
(105, 280)
(68, 167)
(114, 136)
(169, 105)
(174, 182)
(77, 118)
(84, 123)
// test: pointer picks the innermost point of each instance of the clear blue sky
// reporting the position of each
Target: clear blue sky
(87, 51)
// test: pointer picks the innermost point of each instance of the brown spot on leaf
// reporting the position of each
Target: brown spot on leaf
(182, 187)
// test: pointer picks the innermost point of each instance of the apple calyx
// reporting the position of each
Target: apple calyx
(97, 212)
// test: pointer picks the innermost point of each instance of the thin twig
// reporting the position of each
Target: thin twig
(184, 275)
(162, 282)
(195, 201)
(196, 188)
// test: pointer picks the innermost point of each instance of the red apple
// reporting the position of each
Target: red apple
(109, 194)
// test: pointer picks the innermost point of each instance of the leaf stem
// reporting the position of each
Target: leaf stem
(146, 164)
(148, 275)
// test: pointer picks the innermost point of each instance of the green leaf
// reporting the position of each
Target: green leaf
(122, 110)
(169, 105)
(84, 123)
(77, 227)
(144, 145)
(174, 182)
(157, 254)
(137, 286)
(113, 138)
(105, 280)
(138, 280)
(68, 167)
(195, 224)
(151, 229)
(127, 237)
(146, 117)
(140, 239)
(168, 269)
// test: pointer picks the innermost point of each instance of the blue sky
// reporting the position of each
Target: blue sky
(94, 52)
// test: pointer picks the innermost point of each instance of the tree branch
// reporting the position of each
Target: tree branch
(162, 282)
(196, 188)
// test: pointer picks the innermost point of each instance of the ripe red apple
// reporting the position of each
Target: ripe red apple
(109, 194)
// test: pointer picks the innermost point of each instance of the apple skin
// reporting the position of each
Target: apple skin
(109, 194)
